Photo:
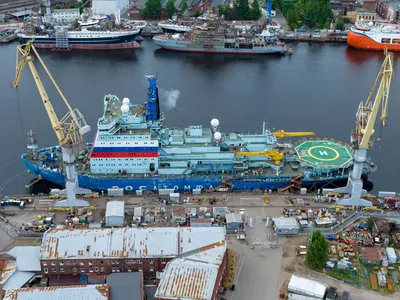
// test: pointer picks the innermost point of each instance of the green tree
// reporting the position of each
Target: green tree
(183, 6)
(317, 252)
(255, 11)
(79, 5)
(152, 9)
(242, 9)
(58, 6)
(197, 14)
(339, 23)
(170, 8)
(370, 223)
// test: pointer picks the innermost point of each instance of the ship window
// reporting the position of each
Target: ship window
(396, 41)
(385, 41)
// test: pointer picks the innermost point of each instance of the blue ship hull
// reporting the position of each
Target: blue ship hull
(101, 183)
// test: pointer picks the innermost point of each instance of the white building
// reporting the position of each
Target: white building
(115, 213)
(66, 16)
(110, 7)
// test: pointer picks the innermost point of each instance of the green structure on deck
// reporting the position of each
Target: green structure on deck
(324, 154)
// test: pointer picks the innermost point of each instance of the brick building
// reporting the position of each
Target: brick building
(113, 250)
(388, 9)
(196, 275)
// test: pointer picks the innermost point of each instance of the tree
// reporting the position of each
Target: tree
(255, 11)
(317, 252)
(170, 8)
(152, 8)
(339, 23)
(197, 14)
(183, 6)
(242, 9)
(79, 5)
(58, 6)
(370, 223)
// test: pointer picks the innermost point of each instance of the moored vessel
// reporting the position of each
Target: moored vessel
(210, 35)
(133, 149)
(374, 36)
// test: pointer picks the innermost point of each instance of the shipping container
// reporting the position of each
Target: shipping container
(115, 192)
(306, 287)
(374, 282)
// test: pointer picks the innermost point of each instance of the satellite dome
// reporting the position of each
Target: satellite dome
(214, 122)
(217, 136)
(371, 23)
(124, 108)
(126, 101)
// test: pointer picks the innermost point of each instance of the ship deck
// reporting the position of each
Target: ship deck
(324, 154)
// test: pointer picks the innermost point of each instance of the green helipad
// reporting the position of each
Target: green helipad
(324, 154)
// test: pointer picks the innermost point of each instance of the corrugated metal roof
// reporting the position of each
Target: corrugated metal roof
(286, 223)
(127, 242)
(196, 237)
(90, 292)
(9, 268)
(115, 208)
(185, 279)
(371, 254)
(194, 276)
(17, 279)
(27, 257)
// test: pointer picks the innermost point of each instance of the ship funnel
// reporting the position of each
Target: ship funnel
(153, 101)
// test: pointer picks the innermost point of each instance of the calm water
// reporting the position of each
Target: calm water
(316, 89)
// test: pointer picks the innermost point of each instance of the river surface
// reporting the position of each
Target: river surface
(318, 89)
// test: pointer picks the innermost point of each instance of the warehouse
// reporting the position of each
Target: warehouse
(115, 213)
(108, 250)
(234, 221)
(197, 276)
(286, 226)
(90, 292)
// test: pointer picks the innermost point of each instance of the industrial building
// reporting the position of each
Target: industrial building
(179, 214)
(65, 16)
(110, 7)
(113, 250)
(89, 292)
(126, 286)
(196, 222)
(286, 225)
(234, 221)
(196, 276)
(371, 256)
(115, 213)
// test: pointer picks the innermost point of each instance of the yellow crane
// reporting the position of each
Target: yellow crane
(362, 137)
(282, 134)
(274, 154)
(69, 129)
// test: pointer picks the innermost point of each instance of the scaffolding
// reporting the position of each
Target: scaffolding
(62, 41)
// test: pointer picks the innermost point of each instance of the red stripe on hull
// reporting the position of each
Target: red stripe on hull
(123, 154)
(363, 42)
(130, 45)
(219, 52)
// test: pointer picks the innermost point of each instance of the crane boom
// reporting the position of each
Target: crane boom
(274, 154)
(26, 58)
(362, 137)
(281, 133)
(69, 129)
(367, 113)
